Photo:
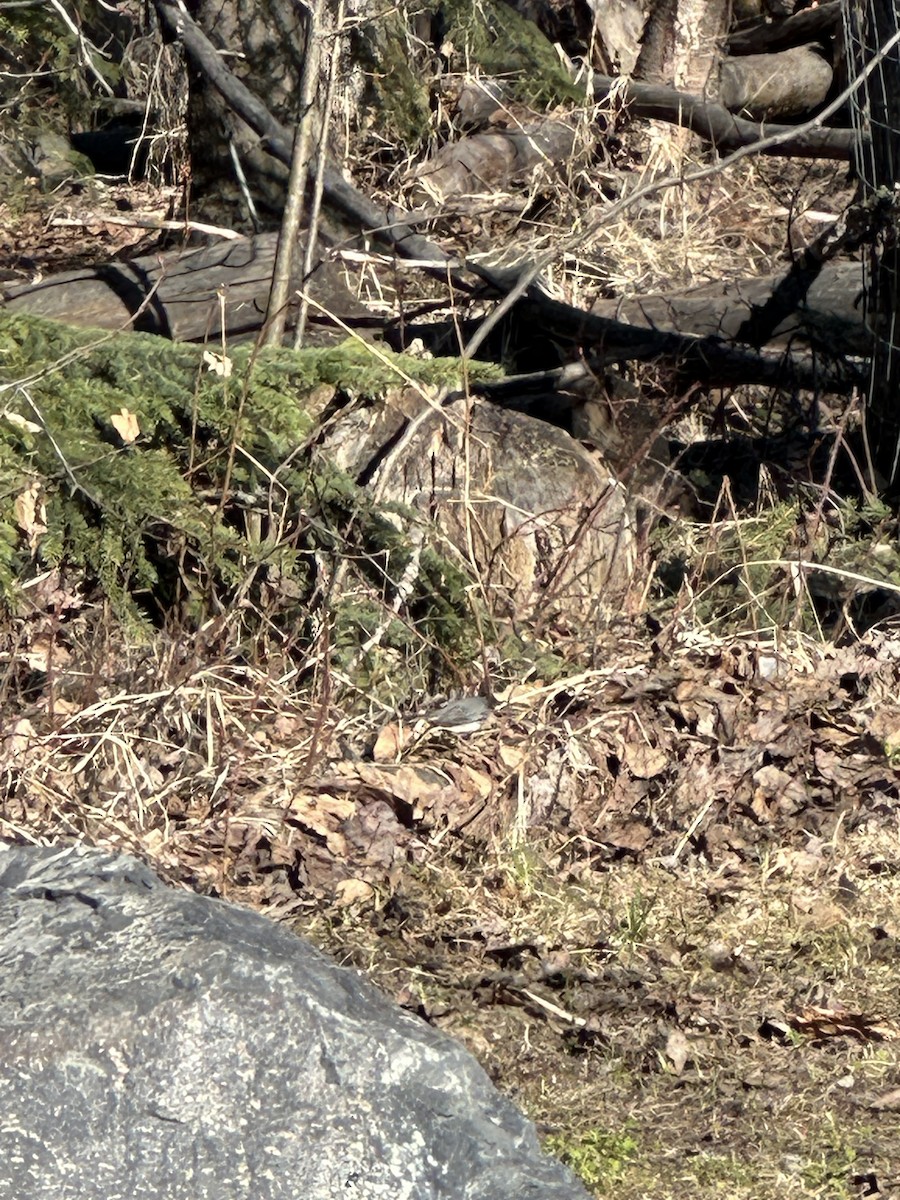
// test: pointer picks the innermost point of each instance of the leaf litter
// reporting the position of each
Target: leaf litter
(657, 899)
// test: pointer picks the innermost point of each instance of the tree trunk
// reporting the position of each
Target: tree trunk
(871, 23)
(264, 43)
(681, 49)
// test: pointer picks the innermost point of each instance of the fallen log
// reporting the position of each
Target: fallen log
(187, 295)
(808, 25)
(709, 361)
(715, 124)
(784, 85)
(830, 320)
(200, 295)
(493, 159)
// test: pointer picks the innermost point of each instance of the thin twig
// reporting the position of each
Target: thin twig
(319, 172)
(83, 45)
(276, 317)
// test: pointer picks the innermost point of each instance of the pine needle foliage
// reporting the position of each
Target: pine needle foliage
(214, 499)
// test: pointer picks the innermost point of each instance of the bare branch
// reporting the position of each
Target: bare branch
(296, 192)
(723, 129)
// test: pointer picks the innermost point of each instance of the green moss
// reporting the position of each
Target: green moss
(492, 37)
(400, 98)
(601, 1157)
(708, 1171)
(831, 1165)
(484, 36)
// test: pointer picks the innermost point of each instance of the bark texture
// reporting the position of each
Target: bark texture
(263, 42)
(875, 22)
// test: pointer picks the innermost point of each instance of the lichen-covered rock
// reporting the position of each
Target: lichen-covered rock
(157, 1043)
(46, 156)
(778, 86)
(540, 521)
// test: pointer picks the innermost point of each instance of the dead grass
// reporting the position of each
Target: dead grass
(680, 965)
(645, 1020)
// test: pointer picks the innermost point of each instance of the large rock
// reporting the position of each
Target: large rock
(780, 86)
(540, 520)
(159, 1044)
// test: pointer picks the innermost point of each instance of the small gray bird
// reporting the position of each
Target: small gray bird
(462, 714)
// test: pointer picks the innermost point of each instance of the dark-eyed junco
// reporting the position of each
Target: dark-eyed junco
(463, 714)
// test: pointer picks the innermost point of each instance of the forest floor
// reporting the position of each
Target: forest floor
(657, 895)
(657, 899)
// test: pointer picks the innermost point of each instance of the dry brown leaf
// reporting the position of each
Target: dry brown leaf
(418, 787)
(822, 1023)
(646, 762)
(632, 835)
(512, 757)
(352, 891)
(31, 514)
(390, 743)
(43, 651)
(772, 782)
(767, 727)
(619, 28)
(711, 713)
(20, 738)
(473, 783)
(323, 814)
(677, 1050)
(126, 425)
(841, 769)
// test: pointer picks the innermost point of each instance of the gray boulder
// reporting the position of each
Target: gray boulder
(158, 1044)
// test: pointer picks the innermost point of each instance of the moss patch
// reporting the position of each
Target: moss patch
(493, 38)
(483, 36)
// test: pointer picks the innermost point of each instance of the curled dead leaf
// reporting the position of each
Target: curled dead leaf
(126, 425)
(352, 891)
(323, 814)
(823, 1023)
(18, 741)
(646, 762)
(218, 365)
(390, 743)
(43, 651)
(677, 1050)
(512, 757)
(31, 514)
